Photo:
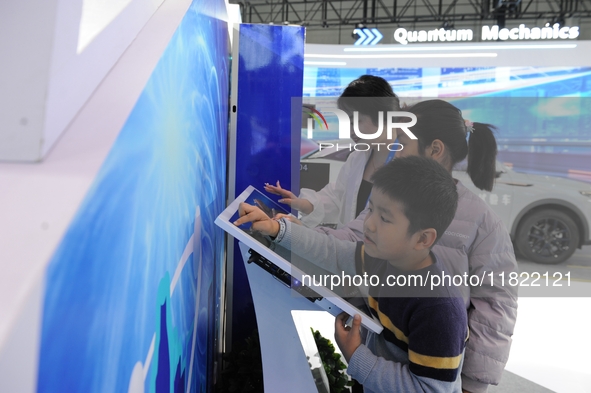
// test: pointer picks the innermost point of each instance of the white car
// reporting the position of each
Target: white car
(548, 217)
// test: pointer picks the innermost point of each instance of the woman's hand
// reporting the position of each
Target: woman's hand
(289, 198)
(259, 219)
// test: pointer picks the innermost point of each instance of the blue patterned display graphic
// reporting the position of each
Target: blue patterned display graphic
(130, 301)
(542, 114)
(552, 104)
(432, 82)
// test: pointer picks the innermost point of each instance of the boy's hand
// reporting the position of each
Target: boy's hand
(288, 217)
(347, 338)
(260, 221)
(290, 199)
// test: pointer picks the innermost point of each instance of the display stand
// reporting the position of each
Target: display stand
(278, 288)
(285, 367)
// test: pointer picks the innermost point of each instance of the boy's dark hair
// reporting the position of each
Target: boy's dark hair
(369, 95)
(425, 189)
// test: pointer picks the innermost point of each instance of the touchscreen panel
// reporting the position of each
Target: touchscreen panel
(276, 260)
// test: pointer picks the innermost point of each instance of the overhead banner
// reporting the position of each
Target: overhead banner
(488, 33)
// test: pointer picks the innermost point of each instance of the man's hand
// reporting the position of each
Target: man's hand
(289, 198)
(260, 221)
(347, 338)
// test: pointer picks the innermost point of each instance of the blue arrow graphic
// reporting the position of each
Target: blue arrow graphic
(378, 35)
(361, 35)
(370, 36)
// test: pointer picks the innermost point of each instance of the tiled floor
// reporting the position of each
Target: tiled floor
(512, 383)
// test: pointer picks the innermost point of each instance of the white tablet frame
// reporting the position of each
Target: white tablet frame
(330, 302)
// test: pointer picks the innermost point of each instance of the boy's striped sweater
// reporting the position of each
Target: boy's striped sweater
(422, 344)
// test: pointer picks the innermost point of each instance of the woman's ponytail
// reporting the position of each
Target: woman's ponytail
(438, 119)
(482, 155)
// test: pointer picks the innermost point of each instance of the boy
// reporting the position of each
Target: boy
(421, 347)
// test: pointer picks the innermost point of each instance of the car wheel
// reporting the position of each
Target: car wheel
(547, 236)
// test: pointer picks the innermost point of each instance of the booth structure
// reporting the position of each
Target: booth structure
(120, 288)
(264, 147)
(112, 264)
(286, 367)
(268, 63)
(115, 277)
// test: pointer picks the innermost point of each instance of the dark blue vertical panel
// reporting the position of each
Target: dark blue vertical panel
(270, 74)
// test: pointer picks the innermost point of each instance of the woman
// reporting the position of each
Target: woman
(340, 202)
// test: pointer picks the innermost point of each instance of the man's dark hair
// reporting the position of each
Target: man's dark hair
(425, 189)
(369, 95)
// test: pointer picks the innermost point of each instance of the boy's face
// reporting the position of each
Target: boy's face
(385, 230)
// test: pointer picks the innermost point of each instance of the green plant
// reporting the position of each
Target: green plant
(338, 380)
(243, 370)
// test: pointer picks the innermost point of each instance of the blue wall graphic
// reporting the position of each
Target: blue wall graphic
(130, 299)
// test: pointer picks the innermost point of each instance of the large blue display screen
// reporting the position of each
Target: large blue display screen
(130, 294)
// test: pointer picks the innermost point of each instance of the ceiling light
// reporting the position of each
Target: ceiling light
(402, 56)
(341, 63)
(422, 48)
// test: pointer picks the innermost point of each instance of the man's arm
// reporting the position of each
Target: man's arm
(329, 200)
(327, 252)
(353, 231)
(325, 204)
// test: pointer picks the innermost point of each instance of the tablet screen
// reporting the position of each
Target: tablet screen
(267, 205)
